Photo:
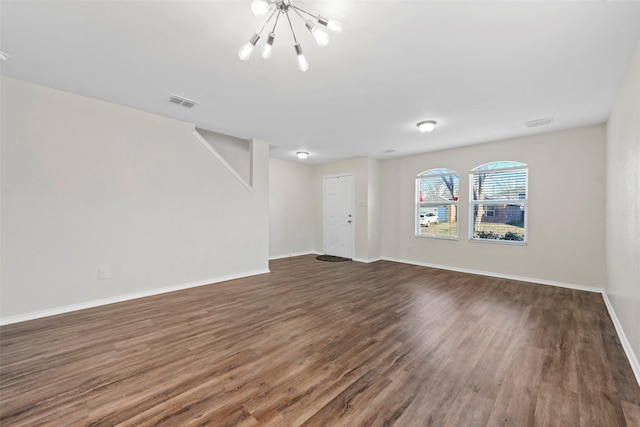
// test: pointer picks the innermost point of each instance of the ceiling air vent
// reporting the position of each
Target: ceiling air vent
(389, 151)
(181, 100)
(539, 122)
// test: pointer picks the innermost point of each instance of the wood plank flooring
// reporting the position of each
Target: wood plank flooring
(317, 343)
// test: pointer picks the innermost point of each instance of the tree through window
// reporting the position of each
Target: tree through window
(498, 205)
(437, 203)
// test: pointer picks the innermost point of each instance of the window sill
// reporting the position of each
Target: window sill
(499, 242)
(454, 238)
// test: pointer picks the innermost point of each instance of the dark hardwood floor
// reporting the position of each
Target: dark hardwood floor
(318, 343)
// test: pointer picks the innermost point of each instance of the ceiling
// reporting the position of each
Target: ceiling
(480, 69)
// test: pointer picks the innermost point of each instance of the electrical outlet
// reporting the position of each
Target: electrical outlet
(103, 273)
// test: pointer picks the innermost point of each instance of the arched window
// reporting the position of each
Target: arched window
(437, 203)
(498, 202)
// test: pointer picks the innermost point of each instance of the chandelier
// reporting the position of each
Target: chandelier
(283, 7)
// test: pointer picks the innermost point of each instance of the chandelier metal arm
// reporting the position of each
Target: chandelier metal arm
(332, 25)
(296, 8)
(275, 24)
(291, 26)
(267, 22)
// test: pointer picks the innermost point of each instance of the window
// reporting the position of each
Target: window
(437, 204)
(498, 202)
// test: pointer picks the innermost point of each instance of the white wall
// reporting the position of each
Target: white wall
(623, 206)
(292, 214)
(89, 184)
(566, 209)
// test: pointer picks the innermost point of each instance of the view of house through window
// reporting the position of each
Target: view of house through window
(437, 204)
(498, 205)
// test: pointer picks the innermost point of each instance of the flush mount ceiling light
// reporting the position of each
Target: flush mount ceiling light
(426, 126)
(302, 154)
(283, 7)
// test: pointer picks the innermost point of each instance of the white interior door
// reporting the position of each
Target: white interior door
(338, 216)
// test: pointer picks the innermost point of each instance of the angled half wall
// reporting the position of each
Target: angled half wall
(102, 203)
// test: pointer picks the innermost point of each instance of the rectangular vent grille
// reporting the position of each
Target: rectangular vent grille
(181, 100)
(390, 150)
(539, 122)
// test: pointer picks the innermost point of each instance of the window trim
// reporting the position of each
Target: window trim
(524, 202)
(419, 204)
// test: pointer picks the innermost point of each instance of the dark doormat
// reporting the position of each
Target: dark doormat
(331, 258)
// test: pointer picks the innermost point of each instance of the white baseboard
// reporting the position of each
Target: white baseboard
(367, 260)
(633, 360)
(292, 255)
(364, 260)
(119, 298)
(500, 275)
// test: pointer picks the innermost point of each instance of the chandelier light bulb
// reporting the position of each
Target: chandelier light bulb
(303, 64)
(321, 37)
(426, 126)
(330, 24)
(259, 7)
(334, 26)
(245, 51)
(266, 51)
(302, 155)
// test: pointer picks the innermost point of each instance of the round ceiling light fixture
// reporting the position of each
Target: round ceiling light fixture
(302, 154)
(426, 126)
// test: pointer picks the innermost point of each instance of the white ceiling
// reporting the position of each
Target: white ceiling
(481, 69)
